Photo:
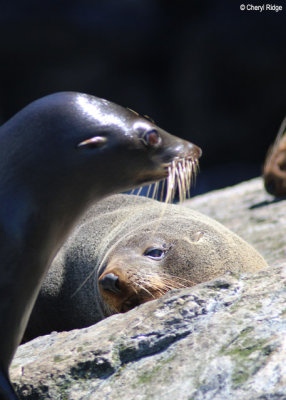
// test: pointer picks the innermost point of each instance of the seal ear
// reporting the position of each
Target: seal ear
(195, 237)
(96, 141)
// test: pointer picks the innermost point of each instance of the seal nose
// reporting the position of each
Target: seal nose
(187, 149)
(110, 282)
(195, 150)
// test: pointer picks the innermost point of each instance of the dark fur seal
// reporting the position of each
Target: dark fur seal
(128, 250)
(274, 170)
(57, 156)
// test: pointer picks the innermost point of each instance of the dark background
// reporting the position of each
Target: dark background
(203, 70)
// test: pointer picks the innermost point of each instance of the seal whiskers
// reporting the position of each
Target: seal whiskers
(155, 190)
(181, 175)
(138, 287)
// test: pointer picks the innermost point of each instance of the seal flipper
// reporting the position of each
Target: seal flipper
(6, 389)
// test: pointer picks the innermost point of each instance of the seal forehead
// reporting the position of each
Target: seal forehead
(97, 109)
(141, 125)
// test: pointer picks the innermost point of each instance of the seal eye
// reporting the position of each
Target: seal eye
(151, 138)
(156, 254)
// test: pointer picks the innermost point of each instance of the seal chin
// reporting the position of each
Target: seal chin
(136, 299)
(147, 178)
(127, 297)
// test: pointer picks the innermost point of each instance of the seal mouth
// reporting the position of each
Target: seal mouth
(175, 176)
(137, 299)
(122, 291)
(177, 169)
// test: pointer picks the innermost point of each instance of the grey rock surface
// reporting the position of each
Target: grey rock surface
(224, 339)
(252, 213)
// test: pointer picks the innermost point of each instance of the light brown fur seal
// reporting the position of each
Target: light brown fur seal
(274, 170)
(59, 155)
(128, 250)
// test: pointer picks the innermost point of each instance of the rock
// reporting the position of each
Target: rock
(250, 212)
(224, 339)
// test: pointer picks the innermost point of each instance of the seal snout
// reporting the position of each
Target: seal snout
(193, 150)
(185, 150)
(188, 150)
(116, 288)
(123, 287)
(110, 282)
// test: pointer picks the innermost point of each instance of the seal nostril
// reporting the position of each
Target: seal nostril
(110, 282)
(193, 149)
(197, 150)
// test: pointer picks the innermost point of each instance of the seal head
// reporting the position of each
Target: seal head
(170, 248)
(128, 250)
